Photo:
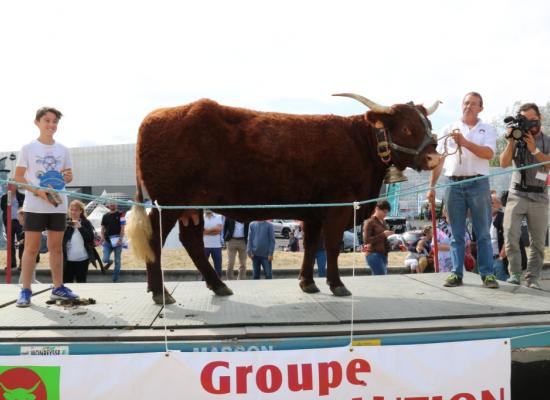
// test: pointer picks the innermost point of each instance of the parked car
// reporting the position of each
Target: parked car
(347, 240)
(396, 224)
(396, 242)
(404, 241)
(411, 238)
(283, 227)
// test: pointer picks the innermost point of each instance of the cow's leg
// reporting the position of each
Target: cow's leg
(333, 229)
(191, 236)
(312, 235)
(154, 274)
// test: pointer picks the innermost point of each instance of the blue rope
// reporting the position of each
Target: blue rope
(418, 189)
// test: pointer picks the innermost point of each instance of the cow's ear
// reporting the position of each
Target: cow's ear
(376, 119)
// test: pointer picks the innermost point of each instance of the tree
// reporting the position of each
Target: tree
(545, 112)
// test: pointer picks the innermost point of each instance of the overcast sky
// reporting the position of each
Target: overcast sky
(106, 64)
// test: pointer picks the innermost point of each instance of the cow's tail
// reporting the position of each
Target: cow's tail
(139, 229)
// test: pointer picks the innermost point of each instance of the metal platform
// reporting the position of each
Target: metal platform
(276, 314)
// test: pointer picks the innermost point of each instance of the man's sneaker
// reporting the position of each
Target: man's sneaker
(24, 299)
(453, 280)
(515, 278)
(63, 293)
(534, 285)
(490, 281)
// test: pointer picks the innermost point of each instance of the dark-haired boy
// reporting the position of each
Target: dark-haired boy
(45, 164)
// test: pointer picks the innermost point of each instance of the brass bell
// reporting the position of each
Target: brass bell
(394, 175)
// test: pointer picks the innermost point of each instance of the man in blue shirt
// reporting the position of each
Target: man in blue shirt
(260, 247)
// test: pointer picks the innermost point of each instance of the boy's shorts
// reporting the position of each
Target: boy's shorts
(38, 222)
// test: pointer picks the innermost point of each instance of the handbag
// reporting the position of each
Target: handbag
(469, 262)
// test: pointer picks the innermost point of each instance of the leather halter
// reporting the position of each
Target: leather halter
(386, 144)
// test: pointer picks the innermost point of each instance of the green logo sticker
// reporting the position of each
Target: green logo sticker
(29, 383)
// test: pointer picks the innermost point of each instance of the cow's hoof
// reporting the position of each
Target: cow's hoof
(309, 287)
(222, 291)
(168, 299)
(340, 291)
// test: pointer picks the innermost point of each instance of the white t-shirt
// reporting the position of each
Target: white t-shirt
(238, 232)
(75, 248)
(468, 164)
(212, 241)
(41, 161)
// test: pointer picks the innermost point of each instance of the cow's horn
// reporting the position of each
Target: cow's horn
(430, 110)
(369, 103)
(33, 388)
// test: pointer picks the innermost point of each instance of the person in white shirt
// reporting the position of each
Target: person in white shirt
(43, 166)
(235, 235)
(213, 226)
(78, 245)
(469, 147)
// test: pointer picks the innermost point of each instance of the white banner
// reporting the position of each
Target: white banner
(476, 370)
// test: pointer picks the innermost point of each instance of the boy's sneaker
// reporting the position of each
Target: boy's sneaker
(453, 280)
(490, 281)
(515, 278)
(63, 293)
(24, 299)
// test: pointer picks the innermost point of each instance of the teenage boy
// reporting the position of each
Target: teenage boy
(45, 164)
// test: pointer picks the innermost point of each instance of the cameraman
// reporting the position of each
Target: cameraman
(528, 195)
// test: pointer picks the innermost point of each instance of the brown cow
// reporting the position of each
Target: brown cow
(206, 154)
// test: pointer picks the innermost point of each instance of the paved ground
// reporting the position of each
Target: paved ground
(545, 279)
(397, 299)
(138, 275)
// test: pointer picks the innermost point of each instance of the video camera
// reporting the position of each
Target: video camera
(520, 126)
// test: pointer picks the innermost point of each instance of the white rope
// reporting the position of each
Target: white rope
(530, 334)
(446, 153)
(355, 208)
(162, 278)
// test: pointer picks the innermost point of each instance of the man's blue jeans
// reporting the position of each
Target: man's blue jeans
(257, 263)
(216, 253)
(321, 259)
(107, 249)
(476, 197)
(378, 263)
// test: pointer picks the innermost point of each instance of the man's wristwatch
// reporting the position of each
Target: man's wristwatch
(537, 151)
